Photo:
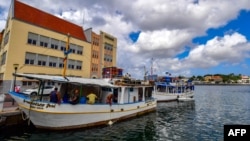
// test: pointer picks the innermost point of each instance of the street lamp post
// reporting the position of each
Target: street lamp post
(14, 84)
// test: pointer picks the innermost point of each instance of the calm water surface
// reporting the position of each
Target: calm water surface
(200, 120)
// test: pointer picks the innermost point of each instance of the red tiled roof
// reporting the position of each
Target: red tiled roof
(37, 17)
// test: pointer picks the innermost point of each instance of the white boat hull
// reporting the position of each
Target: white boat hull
(66, 116)
(165, 97)
(185, 99)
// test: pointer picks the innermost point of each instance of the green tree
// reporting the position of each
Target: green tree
(201, 78)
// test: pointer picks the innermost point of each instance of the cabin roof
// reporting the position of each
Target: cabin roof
(61, 79)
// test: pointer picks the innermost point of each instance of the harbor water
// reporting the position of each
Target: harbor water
(199, 120)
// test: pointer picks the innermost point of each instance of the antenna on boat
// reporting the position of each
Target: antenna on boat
(66, 52)
(152, 66)
(145, 73)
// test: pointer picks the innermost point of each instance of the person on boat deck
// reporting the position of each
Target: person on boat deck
(91, 98)
(109, 99)
(55, 96)
(74, 99)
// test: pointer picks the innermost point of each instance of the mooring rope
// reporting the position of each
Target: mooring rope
(22, 113)
(110, 121)
(31, 101)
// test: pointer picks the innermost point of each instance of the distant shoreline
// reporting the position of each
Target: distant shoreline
(225, 84)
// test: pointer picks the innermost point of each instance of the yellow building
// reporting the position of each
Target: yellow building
(37, 42)
(207, 78)
(104, 48)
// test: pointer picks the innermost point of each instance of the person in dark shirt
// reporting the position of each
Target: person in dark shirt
(55, 96)
(74, 99)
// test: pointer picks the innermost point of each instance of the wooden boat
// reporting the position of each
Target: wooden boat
(128, 101)
(172, 91)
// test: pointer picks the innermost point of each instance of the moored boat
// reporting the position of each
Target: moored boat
(184, 98)
(166, 91)
(126, 101)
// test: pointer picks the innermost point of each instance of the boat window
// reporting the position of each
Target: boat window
(148, 92)
(107, 89)
(131, 89)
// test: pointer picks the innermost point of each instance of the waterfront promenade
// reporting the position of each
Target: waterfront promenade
(10, 114)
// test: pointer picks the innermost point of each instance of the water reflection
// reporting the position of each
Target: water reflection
(173, 118)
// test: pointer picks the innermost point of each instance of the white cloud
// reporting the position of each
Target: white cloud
(161, 43)
(2, 24)
(230, 49)
(166, 26)
(4, 9)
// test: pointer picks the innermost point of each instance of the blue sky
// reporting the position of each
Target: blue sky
(240, 25)
(184, 37)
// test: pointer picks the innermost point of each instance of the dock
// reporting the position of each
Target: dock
(10, 113)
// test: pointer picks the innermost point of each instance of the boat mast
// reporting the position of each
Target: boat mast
(152, 66)
(66, 52)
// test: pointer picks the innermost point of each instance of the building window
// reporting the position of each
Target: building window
(30, 58)
(79, 50)
(54, 44)
(52, 64)
(108, 58)
(27, 83)
(94, 68)
(32, 38)
(73, 48)
(108, 46)
(63, 46)
(1, 76)
(78, 65)
(3, 58)
(41, 60)
(61, 63)
(71, 64)
(41, 63)
(44, 41)
(52, 61)
(95, 54)
(6, 38)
